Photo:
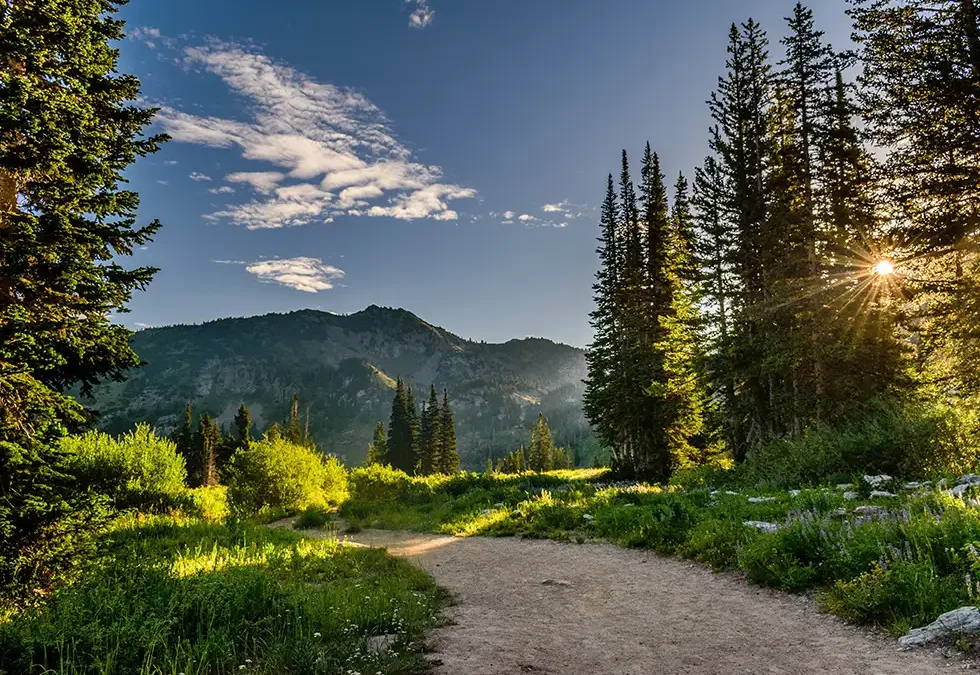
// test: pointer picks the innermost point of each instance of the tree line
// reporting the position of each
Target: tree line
(825, 259)
(541, 454)
(417, 443)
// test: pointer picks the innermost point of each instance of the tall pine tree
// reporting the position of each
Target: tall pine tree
(448, 451)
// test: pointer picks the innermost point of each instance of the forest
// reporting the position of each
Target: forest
(784, 373)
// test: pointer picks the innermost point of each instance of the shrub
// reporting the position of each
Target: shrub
(137, 470)
(210, 503)
(276, 475)
(312, 518)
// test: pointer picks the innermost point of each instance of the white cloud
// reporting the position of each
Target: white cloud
(422, 15)
(261, 181)
(323, 138)
(146, 35)
(509, 215)
(303, 274)
(171, 162)
(555, 208)
(223, 190)
(197, 176)
(525, 218)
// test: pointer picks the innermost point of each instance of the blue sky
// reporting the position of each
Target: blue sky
(445, 156)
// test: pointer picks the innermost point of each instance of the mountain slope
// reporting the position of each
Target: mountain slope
(343, 368)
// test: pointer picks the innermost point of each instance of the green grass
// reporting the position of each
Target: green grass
(898, 568)
(169, 596)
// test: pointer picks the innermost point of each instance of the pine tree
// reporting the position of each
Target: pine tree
(205, 471)
(600, 402)
(489, 468)
(378, 448)
(431, 435)
(401, 453)
(541, 450)
(183, 437)
(243, 426)
(71, 126)
(294, 430)
(415, 429)
(448, 452)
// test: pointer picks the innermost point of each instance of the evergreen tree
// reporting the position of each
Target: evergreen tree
(401, 453)
(431, 435)
(294, 430)
(601, 402)
(183, 437)
(415, 428)
(205, 470)
(243, 426)
(541, 450)
(489, 468)
(71, 126)
(448, 452)
(378, 448)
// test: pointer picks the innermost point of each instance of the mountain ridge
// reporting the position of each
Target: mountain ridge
(344, 366)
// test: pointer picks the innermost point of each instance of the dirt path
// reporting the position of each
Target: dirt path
(528, 606)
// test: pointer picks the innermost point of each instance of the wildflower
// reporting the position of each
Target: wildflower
(316, 635)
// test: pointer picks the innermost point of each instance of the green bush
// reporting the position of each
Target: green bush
(276, 475)
(137, 470)
(312, 518)
(886, 438)
(210, 503)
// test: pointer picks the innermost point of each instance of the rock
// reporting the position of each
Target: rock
(845, 486)
(962, 620)
(870, 510)
(762, 526)
(729, 492)
(381, 644)
(968, 479)
(761, 500)
(555, 582)
(882, 493)
(588, 516)
(794, 493)
(851, 495)
(485, 512)
(961, 490)
(498, 505)
(877, 481)
(915, 485)
(839, 513)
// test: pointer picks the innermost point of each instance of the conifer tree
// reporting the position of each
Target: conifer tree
(541, 450)
(205, 470)
(601, 401)
(378, 448)
(243, 427)
(401, 453)
(71, 125)
(415, 428)
(294, 430)
(448, 452)
(431, 435)
(183, 437)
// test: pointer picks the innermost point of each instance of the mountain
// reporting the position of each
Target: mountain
(344, 369)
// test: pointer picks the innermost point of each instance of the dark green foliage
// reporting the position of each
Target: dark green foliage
(378, 449)
(204, 471)
(243, 427)
(448, 451)
(540, 455)
(69, 128)
(431, 435)
(312, 518)
(402, 437)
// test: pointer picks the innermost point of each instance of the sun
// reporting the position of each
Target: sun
(884, 268)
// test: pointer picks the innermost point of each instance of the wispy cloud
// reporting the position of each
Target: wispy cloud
(309, 275)
(525, 218)
(333, 147)
(511, 217)
(223, 190)
(171, 162)
(422, 15)
(199, 177)
(555, 208)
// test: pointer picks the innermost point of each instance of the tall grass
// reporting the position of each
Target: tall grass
(170, 596)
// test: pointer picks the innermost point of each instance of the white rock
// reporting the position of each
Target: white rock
(794, 493)
(845, 486)
(851, 495)
(498, 505)
(588, 516)
(381, 643)
(870, 510)
(960, 490)
(968, 479)
(762, 526)
(839, 512)
(485, 512)
(882, 493)
(877, 481)
(962, 620)
(915, 485)
(729, 492)
(761, 500)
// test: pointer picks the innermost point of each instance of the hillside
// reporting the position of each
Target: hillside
(343, 368)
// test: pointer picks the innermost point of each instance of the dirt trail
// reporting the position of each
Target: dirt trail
(608, 610)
